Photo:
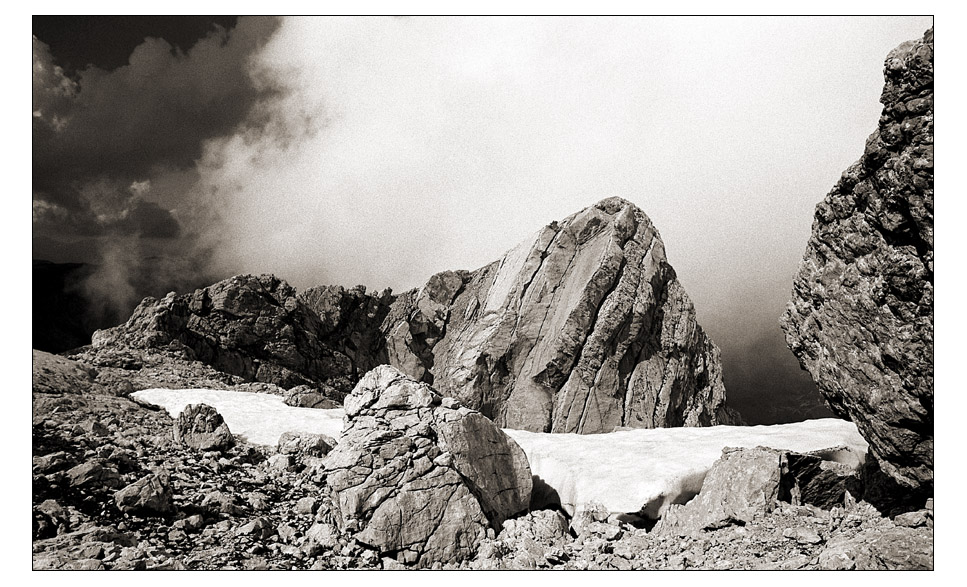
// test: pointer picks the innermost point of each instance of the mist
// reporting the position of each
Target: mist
(381, 151)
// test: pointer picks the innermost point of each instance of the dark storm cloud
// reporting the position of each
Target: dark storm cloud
(111, 129)
(115, 151)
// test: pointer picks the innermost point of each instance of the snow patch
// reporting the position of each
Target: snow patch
(633, 470)
(259, 418)
(626, 471)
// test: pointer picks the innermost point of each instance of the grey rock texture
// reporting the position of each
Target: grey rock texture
(419, 477)
(201, 427)
(305, 444)
(150, 494)
(861, 315)
(54, 374)
(746, 483)
(741, 485)
(257, 328)
(582, 328)
(898, 548)
(351, 321)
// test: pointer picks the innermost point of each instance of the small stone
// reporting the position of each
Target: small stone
(306, 506)
(150, 494)
(93, 474)
(286, 532)
(802, 535)
(176, 535)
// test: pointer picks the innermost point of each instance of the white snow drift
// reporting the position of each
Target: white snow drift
(625, 471)
(259, 418)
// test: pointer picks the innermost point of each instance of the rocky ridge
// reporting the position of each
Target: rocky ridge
(861, 316)
(260, 330)
(582, 328)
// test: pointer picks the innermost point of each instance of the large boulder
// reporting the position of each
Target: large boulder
(201, 427)
(581, 328)
(861, 316)
(419, 477)
(742, 485)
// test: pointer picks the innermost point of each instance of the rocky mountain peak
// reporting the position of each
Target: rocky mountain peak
(582, 327)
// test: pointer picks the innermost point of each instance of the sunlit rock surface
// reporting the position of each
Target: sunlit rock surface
(581, 328)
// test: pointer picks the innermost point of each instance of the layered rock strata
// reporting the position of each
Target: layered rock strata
(581, 328)
(861, 316)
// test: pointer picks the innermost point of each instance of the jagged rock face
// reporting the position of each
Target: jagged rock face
(582, 328)
(351, 321)
(861, 317)
(259, 329)
(419, 477)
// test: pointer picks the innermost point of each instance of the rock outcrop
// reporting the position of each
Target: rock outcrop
(748, 482)
(258, 328)
(419, 477)
(581, 328)
(54, 374)
(861, 316)
(741, 485)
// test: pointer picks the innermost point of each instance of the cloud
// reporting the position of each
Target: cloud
(114, 157)
(381, 151)
(402, 147)
(109, 129)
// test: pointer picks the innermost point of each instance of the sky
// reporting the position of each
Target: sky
(379, 151)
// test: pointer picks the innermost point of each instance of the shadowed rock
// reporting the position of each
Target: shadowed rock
(54, 374)
(861, 316)
(256, 327)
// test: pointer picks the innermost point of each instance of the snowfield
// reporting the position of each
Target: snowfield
(625, 471)
(634, 470)
(259, 418)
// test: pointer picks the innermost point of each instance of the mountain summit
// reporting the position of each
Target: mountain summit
(583, 327)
